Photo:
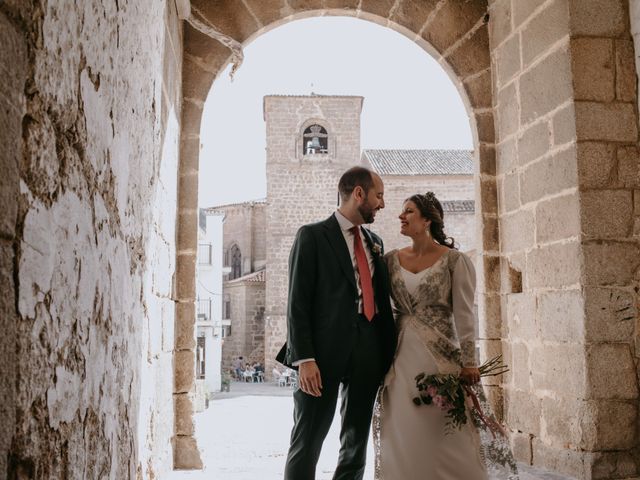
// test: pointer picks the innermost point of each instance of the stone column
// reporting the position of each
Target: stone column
(567, 133)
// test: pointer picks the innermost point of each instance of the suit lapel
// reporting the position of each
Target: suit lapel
(339, 246)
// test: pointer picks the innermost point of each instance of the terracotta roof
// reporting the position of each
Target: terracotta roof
(420, 162)
(255, 277)
(456, 206)
(248, 203)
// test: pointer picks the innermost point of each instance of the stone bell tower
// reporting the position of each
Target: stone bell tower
(311, 141)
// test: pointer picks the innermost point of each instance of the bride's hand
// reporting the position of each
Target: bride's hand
(470, 375)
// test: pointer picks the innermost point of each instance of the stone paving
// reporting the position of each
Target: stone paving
(244, 435)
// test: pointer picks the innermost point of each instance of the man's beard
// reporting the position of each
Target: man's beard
(366, 212)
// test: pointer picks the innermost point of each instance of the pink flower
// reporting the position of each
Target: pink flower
(432, 391)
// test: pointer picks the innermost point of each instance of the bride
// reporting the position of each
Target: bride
(432, 286)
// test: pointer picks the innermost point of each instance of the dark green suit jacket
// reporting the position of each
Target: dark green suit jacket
(322, 310)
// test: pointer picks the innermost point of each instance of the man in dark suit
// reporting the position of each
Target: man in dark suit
(340, 328)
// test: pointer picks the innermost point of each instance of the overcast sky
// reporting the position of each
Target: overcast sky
(409, 101)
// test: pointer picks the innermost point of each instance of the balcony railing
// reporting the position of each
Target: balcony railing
(204, 309)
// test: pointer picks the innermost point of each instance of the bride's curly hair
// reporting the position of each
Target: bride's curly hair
(431, 209)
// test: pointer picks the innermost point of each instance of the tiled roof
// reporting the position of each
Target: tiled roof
(255, 277)
(248, 203)
(457, 206)
(420, 162)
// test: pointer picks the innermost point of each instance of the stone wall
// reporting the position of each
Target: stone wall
(247, 323)
(567, 167)
(397, 188)
(301, 189)
(90, 99)
(244, 225)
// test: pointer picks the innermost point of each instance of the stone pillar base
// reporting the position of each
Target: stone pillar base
(186, 455)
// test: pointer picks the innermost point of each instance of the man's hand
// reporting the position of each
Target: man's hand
(470, 375)
(309, 378)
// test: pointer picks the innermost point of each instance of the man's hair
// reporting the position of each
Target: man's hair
(352, 178)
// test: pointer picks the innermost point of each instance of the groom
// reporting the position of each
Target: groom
(340, 328)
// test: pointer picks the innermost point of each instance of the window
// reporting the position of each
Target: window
(226, 331)
(200, 351)
(315, 140)
(204, 254)
(233, 259)
(226, 308)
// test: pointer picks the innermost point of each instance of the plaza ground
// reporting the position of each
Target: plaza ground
(244, 435)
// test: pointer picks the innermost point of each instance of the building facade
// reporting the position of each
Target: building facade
(307, 152)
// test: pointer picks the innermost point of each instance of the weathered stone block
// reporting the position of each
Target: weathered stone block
(187, 234)
(488, 195)
(598, 18)
(611, 372)
(561, 423)
(510, 192)
(508, 111)
(551, 175)
(185, 322)
(185, 277)
(546, 86)
(522, 11)
(485, 127)
(412, 14)
(183, 414)
(188, 191)
(266, 11)
(229, 17)
(534, 142)
(472, 56)
(507, 60)
(478, 90)
(519, 374)
(184, 371)
(629, 167)
(500, 21)
(521, 446)
(610, 263)
(523, 411)
(614, 122)
(592, 62)
(563, 126)
(561, 460)
(186, 455)
(625, 71)
(608, 424)
(606, 213)
(487, 159)
(558, 218)
(191, 118)
(560, 368)
(380, 8)
(605, 465)
(544, 29)
(506, 156)
(554, 266)
(453, 20)
(490, 235)
(521, 316)
(489, 317)
(197, 78)
(596, 162)
(560, 315)
(517, 231)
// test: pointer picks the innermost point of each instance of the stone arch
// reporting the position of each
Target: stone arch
(454, 33)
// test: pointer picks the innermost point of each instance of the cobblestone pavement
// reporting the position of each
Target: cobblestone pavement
(244, 435)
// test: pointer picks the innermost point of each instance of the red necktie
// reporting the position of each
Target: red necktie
(365, 275)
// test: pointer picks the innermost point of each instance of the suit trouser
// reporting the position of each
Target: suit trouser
(313, 415)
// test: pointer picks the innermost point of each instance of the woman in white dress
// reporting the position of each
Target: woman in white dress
(432, 286)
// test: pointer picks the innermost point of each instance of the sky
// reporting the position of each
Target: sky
(409, 100)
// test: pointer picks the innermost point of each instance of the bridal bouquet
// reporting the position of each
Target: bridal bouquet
(448, 392)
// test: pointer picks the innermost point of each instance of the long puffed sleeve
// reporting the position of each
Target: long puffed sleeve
(463, 286)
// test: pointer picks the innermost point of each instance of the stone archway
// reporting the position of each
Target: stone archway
(454, 33)
(552, 93)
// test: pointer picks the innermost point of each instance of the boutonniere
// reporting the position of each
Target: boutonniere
(376, 249)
